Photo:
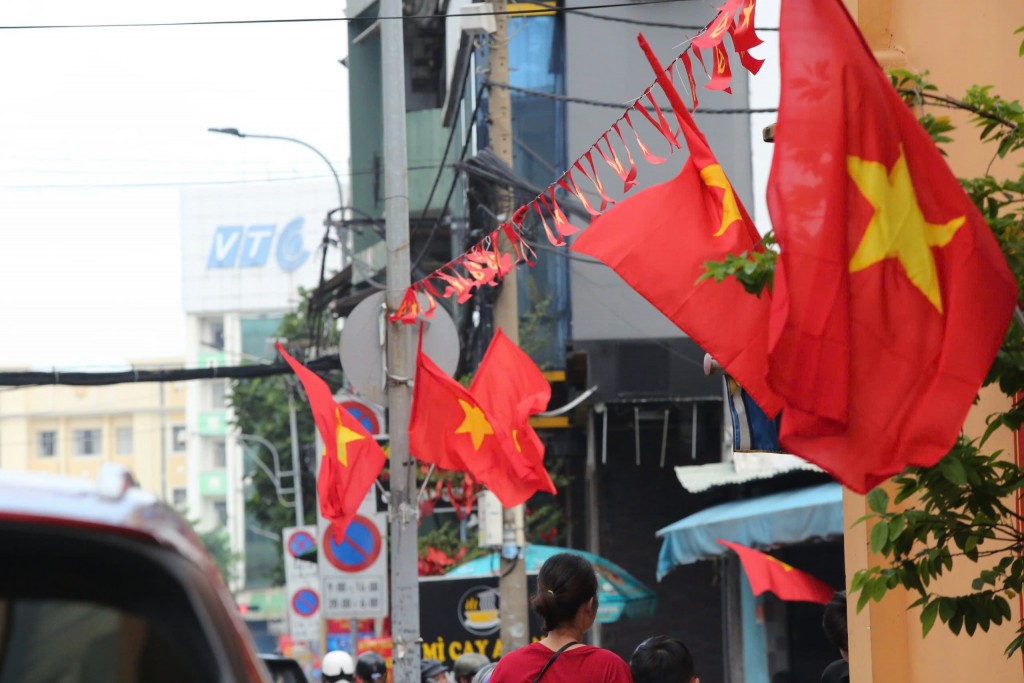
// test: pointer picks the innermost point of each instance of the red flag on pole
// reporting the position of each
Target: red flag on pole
(891, 294)
(658, 241)
(351, 460)
(449, 428)
(766, 573)
(510, 386)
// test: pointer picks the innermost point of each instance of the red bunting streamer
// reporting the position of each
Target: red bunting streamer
(616, 163)
(555, 240)
(743, 36)
(716, 30)
(652, 159)
(688, 67)
(486, 264)
(630, 179)
(569, 185)
(723, 73)
(595, 178)
(562, 224)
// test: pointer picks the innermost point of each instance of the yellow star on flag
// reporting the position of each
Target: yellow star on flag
(779, 562)
(344, 436)
(714, 176)
(475, 424)
(898, 228)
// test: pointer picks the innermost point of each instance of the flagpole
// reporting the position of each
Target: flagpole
(402, 510)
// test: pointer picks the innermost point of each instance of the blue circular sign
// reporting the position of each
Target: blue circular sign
(358, 550)
(300, 543)
(305, 602)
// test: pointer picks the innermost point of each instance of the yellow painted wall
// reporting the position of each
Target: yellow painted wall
(960, 44)
(27, 411)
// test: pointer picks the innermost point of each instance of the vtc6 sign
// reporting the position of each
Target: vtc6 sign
(236, 246)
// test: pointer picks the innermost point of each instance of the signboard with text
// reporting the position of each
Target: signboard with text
(250, 247)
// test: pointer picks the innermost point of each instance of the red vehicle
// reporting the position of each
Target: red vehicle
(100, 582)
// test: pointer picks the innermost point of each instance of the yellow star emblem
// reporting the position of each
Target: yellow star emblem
(898, 228)
(475, 424)
(515, 440)
(714, 176)
(344, 437)
(785, 567)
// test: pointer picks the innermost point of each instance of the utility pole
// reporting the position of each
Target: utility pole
(515, 625)
(403, 509)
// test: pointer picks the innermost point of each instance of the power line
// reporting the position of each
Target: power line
(192, 183)
(310, 20)
(641, 22)
(617, 105)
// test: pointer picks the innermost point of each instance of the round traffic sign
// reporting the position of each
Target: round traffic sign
(305, 602)
(363, 414)
(300, 543)
(358, 550)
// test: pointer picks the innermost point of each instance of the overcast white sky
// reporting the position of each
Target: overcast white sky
(98, 129)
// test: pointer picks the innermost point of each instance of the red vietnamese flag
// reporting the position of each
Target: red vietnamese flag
(511, 388)
(766, 573)
(891, 294)
(449, 428)
(659, 240)
(351, 460)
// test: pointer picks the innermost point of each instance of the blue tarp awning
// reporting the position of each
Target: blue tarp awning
(779, 519)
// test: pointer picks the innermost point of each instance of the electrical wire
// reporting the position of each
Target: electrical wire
(444, 156)
(616, 105)
(455, 180)
(92, 379)
(641, 22)
(310, 20)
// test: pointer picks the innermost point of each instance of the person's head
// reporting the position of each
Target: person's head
(466, 666)
(433, 671)
(371, 668)
(833, 621)
(662, 659)
(484, 674)
(337, 666)
(566, 592)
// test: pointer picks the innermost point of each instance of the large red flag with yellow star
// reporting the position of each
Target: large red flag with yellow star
(891, 294)
(767, 573)
(510, 387)
(351, 460)
(658, 241)
(449, 427)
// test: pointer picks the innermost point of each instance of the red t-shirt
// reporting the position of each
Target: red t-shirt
(585, 664)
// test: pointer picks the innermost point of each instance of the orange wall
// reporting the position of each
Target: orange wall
(960, 44)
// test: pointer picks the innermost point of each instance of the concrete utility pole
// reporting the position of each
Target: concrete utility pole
(403, 509)
(515, 626)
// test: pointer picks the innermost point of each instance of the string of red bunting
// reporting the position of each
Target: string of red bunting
(484, 263)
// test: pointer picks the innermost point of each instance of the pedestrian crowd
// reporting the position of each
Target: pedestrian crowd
(566, 601)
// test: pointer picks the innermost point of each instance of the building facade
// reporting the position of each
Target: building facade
(72, 430)
(247, 251)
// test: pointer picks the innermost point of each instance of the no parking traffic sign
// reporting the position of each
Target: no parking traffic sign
(354, 570)
(358, 550)
(301, 583)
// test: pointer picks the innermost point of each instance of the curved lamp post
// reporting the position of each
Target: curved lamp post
(238, 134)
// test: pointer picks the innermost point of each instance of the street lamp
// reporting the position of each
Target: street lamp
(238, 134)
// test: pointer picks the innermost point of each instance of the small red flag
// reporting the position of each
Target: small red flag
(891, 294)
(511, 388)
(766, 573)
(449, 428)
(351, 460)
(658, 241)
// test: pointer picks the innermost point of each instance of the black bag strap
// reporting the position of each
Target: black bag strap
(553, 658)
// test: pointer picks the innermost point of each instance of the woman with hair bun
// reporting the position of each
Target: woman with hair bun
(566, 600)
